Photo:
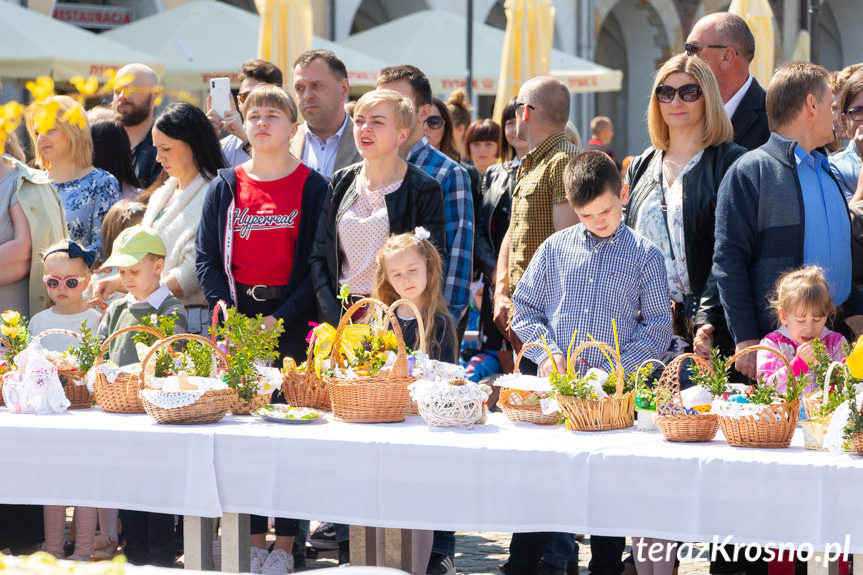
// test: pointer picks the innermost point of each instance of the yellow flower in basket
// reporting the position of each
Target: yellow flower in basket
(352, 337)
(10, 317)
(10, 331)
(855, 359)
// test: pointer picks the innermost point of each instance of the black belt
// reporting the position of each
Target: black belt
(261, 292)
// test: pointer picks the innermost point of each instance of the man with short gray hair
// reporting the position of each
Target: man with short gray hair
(726, 44)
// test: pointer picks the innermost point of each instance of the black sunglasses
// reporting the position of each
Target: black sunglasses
(526, 105)
(855, 114)
(688, 93)
(693, 48)
(434, 122)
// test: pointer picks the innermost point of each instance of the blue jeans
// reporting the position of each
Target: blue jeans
(444, 543)
(560, 549)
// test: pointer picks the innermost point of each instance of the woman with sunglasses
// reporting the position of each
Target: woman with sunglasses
(439, 131)
(672, 192)
(845, 164)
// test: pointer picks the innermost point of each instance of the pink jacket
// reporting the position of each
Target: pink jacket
(775, 372)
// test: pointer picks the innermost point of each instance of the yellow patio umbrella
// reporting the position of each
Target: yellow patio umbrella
(759, 17)
(286, 32)
(526, 47)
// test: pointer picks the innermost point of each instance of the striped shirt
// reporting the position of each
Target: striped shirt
(539, 187)
(458, 213)
(578, 282)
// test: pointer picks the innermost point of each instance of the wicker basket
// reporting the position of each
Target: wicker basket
(452, 406)
(78, 395)
(774, 426)
(122, 395)
(615, 412)
(857, 442)
(209, 408)
(243, 407)
(379, 398)
(518, 405)
(413, 408)
(813, 401)
(307, 389)
(672, 420)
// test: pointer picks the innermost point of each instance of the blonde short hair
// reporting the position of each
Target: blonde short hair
(404, 108)
(272, 96)
(80, 140)
(717, 125)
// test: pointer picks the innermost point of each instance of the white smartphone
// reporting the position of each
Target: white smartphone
(220, 95)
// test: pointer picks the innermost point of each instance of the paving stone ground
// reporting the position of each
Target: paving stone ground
(479, 553)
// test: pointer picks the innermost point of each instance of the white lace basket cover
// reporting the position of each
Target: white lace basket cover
(443, 405)
(163, 391)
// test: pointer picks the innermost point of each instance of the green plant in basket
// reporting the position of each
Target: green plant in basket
(646, 396)
(87, 351)
(717, 382)
(569, 383)
(164, 324)
(247, 342)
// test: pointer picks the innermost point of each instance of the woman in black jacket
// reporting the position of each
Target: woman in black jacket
(368, 201)
(492, 206)
(672, 192)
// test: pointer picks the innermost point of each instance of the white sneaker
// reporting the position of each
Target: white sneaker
(279, 562)
(258, 557)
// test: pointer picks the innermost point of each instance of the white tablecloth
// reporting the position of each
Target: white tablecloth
(522, 477)
(89, 457)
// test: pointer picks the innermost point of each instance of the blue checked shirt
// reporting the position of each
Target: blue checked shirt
(458, 212)
(578, 282)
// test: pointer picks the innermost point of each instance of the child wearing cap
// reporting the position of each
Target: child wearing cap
(139, 256)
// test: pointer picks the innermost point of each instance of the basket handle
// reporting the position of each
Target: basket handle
(101, 357)
(56, 331)
(617, 365)
(827, 380)
(181, 336)
(220, 306)
(524, 348)
(417, 315)
(400, 368)
(674, 368)
(791, 378)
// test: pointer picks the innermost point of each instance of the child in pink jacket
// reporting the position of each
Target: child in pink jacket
(803, 306)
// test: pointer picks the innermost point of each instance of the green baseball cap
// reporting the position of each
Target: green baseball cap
(133, 244)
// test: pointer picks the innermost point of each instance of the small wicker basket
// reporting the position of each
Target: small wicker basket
(307, 389)
(672, 420)
(857, 442)
(77, 393)
(813, 401)
(122, 395)
(519, 405)
(242, 407)
(773, 427)
(379, 398)
(209, 408)
(413, 408)
(615, 412)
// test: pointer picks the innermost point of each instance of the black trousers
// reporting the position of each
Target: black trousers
(149, 538)
(526, 549)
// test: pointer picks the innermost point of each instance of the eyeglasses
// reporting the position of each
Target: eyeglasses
(519, 105)
(688, 93)
(434, 122)
(855, 114)
(694, 48)
(70, 282)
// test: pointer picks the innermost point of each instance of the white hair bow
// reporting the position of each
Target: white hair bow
(420, 233)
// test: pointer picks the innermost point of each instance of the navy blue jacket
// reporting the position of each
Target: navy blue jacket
(759, 235)
(297, 307)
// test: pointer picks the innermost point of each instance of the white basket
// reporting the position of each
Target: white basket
(442, 404)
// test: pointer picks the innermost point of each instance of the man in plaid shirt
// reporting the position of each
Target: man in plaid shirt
(454, 182)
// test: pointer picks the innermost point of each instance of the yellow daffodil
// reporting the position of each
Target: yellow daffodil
(10, 331)
(41, 89)
(187, 97)
(390, 340)
(46, 117)
(116, 82)
(10, 115)
(86, 87)
(158, 92)
(10, 317)
(75, 116)
(855, 359)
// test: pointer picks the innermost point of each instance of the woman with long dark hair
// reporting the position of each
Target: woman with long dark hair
(112, 152)
(438, 129)
(189, 152)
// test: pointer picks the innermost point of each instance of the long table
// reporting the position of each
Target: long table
(501, 476)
